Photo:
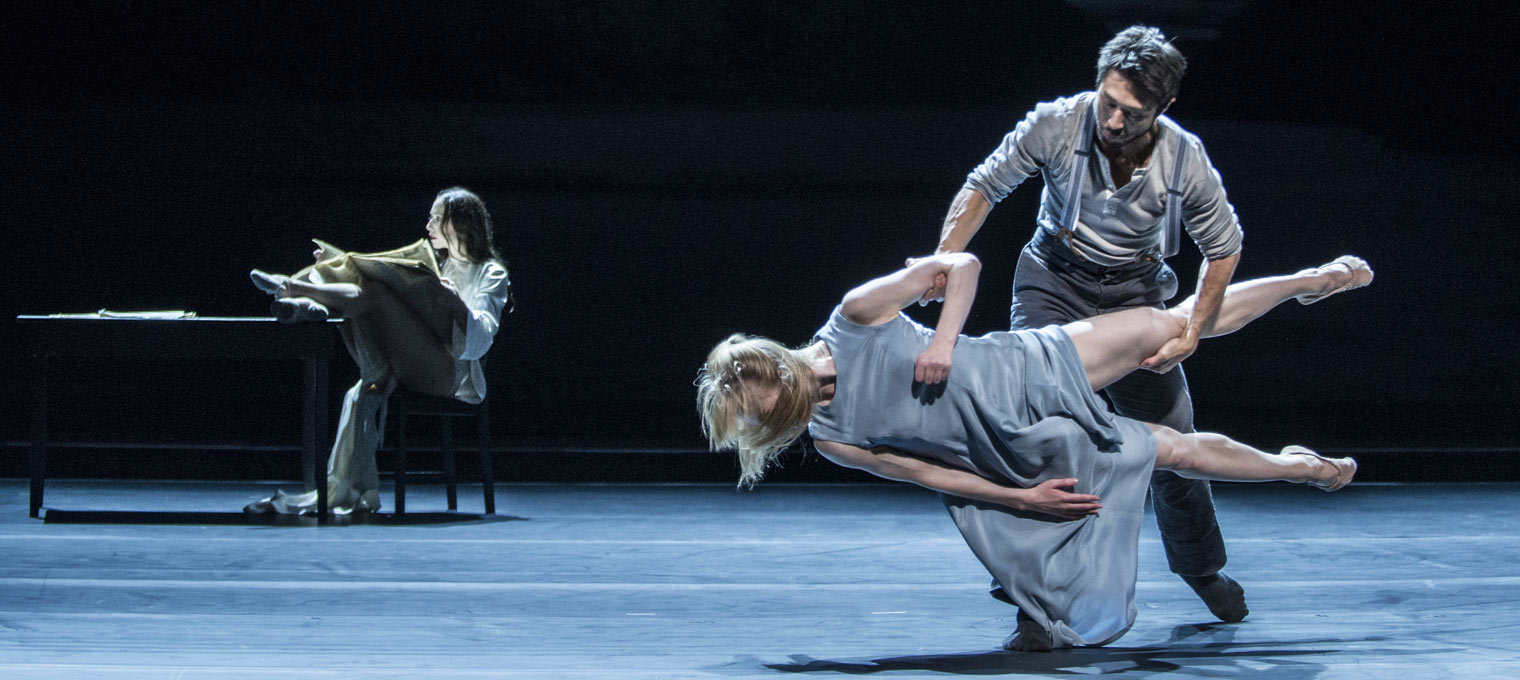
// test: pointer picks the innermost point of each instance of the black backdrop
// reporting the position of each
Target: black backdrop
(665, 173)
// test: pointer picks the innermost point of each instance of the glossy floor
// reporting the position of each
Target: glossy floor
(687, 581)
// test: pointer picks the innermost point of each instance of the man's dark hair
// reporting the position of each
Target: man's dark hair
(1147, 60)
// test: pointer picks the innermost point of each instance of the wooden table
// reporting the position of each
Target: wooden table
(44, 338)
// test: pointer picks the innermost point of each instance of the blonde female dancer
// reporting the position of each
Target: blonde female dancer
(1003, 424)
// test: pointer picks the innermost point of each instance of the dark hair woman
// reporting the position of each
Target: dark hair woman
(411, 320)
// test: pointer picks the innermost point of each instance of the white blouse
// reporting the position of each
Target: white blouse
(483, 287)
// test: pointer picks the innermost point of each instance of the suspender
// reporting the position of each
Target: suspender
(1081, 158)
(1081, 154)
(1171, 236)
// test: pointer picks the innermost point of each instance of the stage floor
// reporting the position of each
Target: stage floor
(701, 581)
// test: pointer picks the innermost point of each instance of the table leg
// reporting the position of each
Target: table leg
(322, 445)
(308, 427)
(37, 459)
(313, 385)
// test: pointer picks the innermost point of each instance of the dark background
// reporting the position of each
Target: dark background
(665, 173)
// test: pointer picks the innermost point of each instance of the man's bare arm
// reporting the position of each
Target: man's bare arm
(1212, 281)
(967, 213)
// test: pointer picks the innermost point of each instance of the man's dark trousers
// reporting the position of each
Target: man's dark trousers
(1053, 286)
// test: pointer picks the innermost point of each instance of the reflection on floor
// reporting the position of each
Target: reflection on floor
(680, 581)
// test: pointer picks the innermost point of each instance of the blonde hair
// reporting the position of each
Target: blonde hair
(728, 414)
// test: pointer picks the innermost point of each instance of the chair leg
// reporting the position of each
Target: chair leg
(448, 463)
(487, 475)
(401, 460)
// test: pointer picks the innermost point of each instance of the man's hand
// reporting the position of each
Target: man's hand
(933, 364)
(1051, 498)
(1171, 353)
(935, 293)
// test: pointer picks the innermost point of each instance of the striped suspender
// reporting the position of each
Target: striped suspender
(1081, 162)
(1172, 235)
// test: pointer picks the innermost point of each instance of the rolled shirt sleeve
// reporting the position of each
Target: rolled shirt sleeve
(1206, 211)
(1044, 134)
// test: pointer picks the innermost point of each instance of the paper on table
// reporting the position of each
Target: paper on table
(109, 314)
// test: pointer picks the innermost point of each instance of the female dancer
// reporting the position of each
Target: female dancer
(1003, 424)
(410, 321)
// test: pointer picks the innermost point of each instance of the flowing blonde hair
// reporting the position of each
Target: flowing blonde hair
(727, 411)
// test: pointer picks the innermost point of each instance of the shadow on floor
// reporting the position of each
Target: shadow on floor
(235, 518)
(1279, 659)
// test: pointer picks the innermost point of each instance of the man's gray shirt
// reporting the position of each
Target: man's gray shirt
(1114, 227)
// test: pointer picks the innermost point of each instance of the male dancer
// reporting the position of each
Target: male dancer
(1107, 221)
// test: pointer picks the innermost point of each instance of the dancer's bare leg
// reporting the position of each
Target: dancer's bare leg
(1112, 345)
(418, 359)
(1204, 455)
(1247, 300)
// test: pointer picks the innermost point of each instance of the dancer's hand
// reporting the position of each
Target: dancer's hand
(1171, 354)
(1050, 498)
(935, 293)
(933, 364)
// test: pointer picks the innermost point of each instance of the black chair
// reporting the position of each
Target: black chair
(409, 404)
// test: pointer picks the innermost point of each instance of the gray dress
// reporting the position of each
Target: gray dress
(1017, 409)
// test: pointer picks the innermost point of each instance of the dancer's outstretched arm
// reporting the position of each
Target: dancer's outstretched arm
(879, 300)
(1197, 455)
(1048, 497)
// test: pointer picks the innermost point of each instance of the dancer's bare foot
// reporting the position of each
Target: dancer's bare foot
(1344, 273)
(1028, 637)
(1334, 473)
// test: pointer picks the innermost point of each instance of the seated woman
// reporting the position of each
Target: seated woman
(1003, 425)
(411, 321)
